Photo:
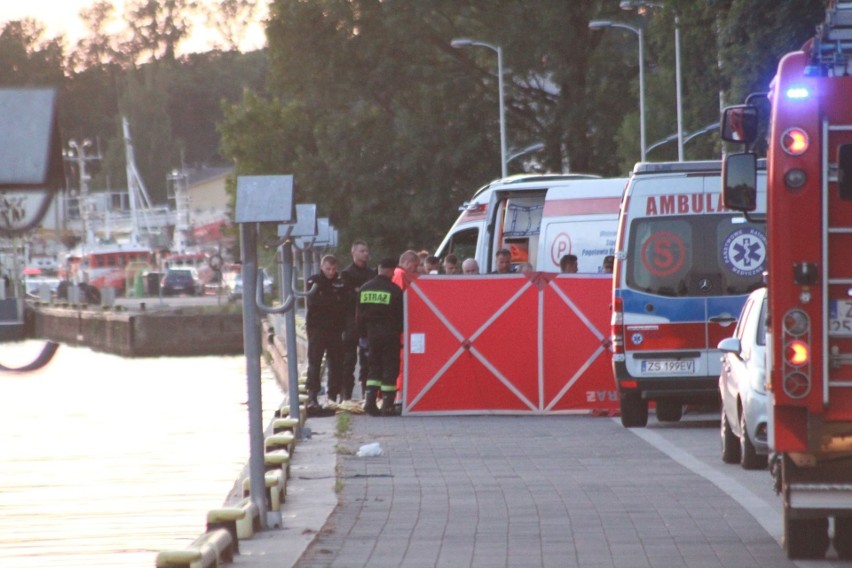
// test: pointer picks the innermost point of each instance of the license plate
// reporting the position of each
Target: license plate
(666, 366)
(840, 317)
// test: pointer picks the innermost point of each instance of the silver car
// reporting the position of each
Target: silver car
(742, 384)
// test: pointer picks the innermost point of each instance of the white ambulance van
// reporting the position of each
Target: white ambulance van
(539, 218)
(684, 266)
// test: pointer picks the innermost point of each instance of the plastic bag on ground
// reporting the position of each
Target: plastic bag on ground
(370, 450)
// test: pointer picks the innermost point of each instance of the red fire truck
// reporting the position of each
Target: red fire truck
(809, 279)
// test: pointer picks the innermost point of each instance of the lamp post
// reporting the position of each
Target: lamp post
(639, 5)
(602, 24)
(465, 42)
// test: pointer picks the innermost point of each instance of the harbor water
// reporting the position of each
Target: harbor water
(104, 461)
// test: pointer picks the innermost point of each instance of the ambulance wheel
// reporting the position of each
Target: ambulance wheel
(805, 538)
(730, 442)
(749, 458)
(634, 412)
(669, 411)
(843, 537)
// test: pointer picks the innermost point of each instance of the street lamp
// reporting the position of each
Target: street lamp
(465, 42)
(602, 24)
(640, 5)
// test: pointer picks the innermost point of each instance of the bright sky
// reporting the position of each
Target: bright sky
(62, 17)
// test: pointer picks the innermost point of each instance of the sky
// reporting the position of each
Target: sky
(62, 17)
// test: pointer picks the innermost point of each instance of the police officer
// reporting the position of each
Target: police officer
(325, 321)
(380, 319)
(355, 275)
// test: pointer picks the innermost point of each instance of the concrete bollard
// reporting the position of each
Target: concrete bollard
(210, 550)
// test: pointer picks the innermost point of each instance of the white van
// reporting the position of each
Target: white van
(684, 266)
(539, 218)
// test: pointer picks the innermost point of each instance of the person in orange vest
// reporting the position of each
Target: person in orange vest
(409, 261)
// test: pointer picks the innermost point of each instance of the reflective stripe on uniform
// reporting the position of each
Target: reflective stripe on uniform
(388, 388)
(374, 383)
(375, 297)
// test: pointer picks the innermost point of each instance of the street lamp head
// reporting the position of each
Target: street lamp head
(600, 24)
(461, 42)
(638, 4)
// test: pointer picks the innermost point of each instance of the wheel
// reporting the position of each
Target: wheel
(730, 443)
(749, 458)
(805, 538)
(843, 537)
(634, 412)
(668, 411)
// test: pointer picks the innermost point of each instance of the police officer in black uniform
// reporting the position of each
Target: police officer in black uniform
(380, 319)
(355, 275)
(325, 320)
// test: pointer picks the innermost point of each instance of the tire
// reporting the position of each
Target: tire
(669, 411)
(749, 458)
(730, 442)
(634, 412)
(843, 537)
(805, 538)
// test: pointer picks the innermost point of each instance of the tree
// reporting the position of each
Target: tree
(231, 19)
(157, 27)
(27, 58)
(401, 127)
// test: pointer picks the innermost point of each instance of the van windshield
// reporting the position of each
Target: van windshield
(695, 255)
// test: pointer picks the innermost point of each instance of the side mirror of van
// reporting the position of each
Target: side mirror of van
(739, 182)
(844, 171)
(739, 124)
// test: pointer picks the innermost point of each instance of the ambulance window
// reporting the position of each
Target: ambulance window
(660, 255)
(695, 255)
(463, 243)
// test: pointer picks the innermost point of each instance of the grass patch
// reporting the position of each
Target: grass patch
(344, 424)
(338, 482)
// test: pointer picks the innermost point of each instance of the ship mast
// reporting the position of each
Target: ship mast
(140, 203)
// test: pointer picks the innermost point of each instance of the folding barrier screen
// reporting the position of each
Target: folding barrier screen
(508, 344)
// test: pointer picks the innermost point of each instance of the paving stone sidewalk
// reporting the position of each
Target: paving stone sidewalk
(528, 491)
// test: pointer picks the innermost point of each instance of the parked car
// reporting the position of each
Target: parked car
(742, 384)
(183, 280)
(234, 285)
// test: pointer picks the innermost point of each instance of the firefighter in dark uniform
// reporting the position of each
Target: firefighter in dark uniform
(325, 321)
(355, 275)
(380, 321)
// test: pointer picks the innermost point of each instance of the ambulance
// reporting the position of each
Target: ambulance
(539, 218)
(684, 266)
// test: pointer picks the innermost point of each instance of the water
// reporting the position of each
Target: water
(104, 461)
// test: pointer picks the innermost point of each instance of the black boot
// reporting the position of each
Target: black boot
(313, 404)
(370, 402)
(388, 402)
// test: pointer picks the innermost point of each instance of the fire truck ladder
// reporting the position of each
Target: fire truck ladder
(831, 49)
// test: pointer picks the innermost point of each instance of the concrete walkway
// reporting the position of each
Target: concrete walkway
(527, 491)
(311, 498)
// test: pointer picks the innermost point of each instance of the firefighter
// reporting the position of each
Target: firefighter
(356, 274)
(380, 321)
(325, 322)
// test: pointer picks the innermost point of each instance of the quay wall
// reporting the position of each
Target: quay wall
(172, 332)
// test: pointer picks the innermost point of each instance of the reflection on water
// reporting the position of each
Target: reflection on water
(104, 461)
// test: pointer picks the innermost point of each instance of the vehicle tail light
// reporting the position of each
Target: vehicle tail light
(797, 353)
(795, 141)
(617, 326)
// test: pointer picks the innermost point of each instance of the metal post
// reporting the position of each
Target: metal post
(679, 93)
(286, 256)
(503, 162)
(252, 346)
(641, 93)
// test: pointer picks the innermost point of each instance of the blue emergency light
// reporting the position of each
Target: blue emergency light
(798, 93)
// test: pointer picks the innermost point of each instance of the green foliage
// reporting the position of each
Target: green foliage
(382, 123)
